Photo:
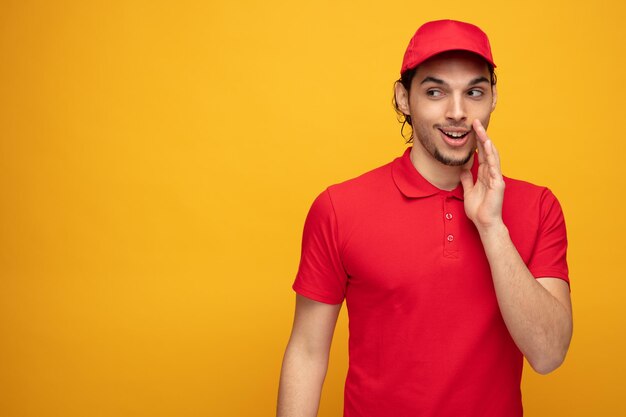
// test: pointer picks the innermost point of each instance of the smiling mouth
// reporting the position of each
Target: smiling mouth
(455, 135)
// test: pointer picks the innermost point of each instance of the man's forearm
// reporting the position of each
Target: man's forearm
(539, 323)
(301, 381)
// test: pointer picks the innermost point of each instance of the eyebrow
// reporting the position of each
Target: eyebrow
(432, 80)
(478, 80)
(439, 81)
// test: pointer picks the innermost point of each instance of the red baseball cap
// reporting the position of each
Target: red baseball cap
(439, 36)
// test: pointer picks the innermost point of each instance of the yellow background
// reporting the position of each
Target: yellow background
(157, 161)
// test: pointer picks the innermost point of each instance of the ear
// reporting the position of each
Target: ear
(494, 97)
(402, 98)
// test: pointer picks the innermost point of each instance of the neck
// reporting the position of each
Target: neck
(444, 177)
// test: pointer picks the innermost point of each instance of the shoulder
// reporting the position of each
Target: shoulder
(354, 198)
(529, 203)
(366, 180)
(536, 224)
(518, 191)
(371, 185)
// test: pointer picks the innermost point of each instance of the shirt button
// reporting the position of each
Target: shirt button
(450, 238)
(449, 216)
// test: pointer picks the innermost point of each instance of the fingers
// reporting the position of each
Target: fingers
(496, 153)
(481, 151)
(487, 152)
(493, 161)
(481, 133)
(481, 138)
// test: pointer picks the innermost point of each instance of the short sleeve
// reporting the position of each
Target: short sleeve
(321, 276)
(549, 258)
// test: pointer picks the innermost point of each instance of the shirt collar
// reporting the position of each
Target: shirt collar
(411, 183)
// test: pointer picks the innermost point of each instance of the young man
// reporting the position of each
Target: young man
(449, 280)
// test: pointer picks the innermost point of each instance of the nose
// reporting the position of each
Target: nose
(456, 108)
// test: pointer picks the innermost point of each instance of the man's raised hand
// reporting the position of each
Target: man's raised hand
(483, 199)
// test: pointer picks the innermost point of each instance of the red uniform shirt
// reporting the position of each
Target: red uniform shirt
(426, 334)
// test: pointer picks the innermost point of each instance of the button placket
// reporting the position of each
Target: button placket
(450, 228)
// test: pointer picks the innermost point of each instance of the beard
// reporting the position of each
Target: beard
(450, 161)
(429, 144)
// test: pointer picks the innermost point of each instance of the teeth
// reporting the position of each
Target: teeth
(455, 134)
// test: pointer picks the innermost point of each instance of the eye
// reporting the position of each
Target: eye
(475, 92)
(433, 92)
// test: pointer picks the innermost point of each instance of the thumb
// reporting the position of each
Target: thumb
(467, 181)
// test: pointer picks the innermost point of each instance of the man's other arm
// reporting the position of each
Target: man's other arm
(306, 358)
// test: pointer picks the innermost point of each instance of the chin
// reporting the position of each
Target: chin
(453, 160)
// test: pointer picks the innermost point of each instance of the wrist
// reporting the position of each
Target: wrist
(493, 230)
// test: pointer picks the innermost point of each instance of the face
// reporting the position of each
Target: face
(447, 93)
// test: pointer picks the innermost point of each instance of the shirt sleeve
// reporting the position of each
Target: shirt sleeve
(321, 276)
(549, 257)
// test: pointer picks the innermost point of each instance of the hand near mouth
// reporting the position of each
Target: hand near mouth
(483, 199)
